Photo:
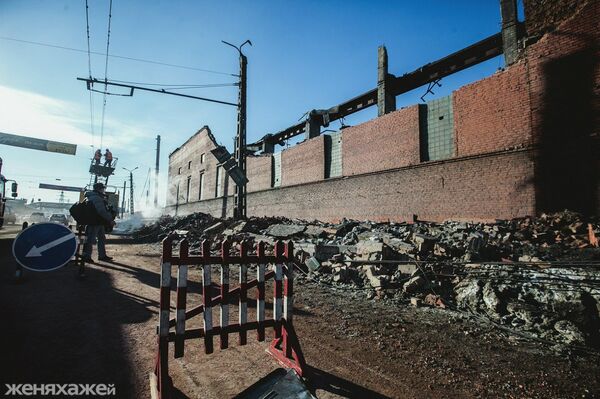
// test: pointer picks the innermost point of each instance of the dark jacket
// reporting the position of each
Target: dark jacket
(100, 205)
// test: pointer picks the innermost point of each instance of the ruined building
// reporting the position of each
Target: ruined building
(520, 142)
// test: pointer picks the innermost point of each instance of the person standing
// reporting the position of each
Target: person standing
(97, 156)
(96, 231)
(108, 158)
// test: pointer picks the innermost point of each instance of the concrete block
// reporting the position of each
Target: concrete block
(285, 230)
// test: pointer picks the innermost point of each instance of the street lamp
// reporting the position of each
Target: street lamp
(131, 210)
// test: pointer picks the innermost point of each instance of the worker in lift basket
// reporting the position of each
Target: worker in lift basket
(97, 156)
(108, 158)
(96, 231)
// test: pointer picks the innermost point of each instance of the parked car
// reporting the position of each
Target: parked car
(59, 218)
(37, 217)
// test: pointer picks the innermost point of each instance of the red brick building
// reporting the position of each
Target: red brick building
(520, 142)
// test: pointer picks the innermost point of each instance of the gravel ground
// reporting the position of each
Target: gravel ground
(58, 328)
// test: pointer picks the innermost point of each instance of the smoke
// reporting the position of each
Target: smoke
(128, 224)
(145, 210)
(131, 223)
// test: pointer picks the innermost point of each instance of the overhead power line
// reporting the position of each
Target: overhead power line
(173, 86)
(90, 83)
(87, 22)
(105, 75)
(117, 56)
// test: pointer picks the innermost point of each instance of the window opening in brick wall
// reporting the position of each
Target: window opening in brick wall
(179, 171)
(219, 187)
(436, 120)
(202, 158)
(201, 186)
(189, 165)
(187, 191)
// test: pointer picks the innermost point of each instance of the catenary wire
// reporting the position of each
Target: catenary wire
(117, 56)
(105, 74)
(87, 22)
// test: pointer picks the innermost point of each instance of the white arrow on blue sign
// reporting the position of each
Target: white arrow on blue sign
(44, 247)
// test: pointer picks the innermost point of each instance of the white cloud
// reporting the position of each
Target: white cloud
(35, 115)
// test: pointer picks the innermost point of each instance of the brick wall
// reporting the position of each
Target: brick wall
(544, 15)
(303, 163)
(494, 113)
(192, 150)
(564, 70)
(259, 172)
(465, 189)
(390, 141)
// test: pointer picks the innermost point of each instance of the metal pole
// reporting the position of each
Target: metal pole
(156, 170)
(240, 142)
(148, 188)
(123, 199)
(131, 208)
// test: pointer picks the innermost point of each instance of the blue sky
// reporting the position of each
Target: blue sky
(305, 55)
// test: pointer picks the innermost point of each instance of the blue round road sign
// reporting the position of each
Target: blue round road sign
(44, 247)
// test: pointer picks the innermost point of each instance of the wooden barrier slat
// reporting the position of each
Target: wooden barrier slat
(243, 303)
(206, 282)
(224, 304)
(194, 333)
(195, 311)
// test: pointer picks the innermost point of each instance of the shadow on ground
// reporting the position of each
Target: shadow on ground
(58, 328)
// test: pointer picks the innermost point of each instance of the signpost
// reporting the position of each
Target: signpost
(37, 144)
(61, 188)
(44, 247)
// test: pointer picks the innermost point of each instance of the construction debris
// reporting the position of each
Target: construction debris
(540, 276)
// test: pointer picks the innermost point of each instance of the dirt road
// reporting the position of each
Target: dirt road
(58, 328)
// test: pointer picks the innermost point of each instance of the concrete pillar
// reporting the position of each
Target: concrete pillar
(508, 10)
(268, 147)
(386, 102)
(313, 127)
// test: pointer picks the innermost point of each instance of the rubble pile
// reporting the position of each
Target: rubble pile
(559, 304)
(538, 275)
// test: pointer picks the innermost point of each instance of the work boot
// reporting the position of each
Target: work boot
(87, 259)
(105, 258)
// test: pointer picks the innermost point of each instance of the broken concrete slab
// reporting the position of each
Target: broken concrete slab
(325, 251)
(399, 246)
(407, 269)
(285, 230)
(213, 228)
(414, 285)
(424, 243)
(373, 250)
(375, 280)
(307, 247)
(315, 231)
(344, 227)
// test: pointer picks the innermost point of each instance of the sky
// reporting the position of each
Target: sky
(305, 55)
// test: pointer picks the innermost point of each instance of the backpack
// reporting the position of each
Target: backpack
(84, 213)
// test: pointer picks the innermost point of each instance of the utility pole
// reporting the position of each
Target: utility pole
(123, 199)
(156, 170)
(240, 140)
(148, 188)
(131, 207)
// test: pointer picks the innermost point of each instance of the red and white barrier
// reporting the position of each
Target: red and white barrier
(285, 347)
